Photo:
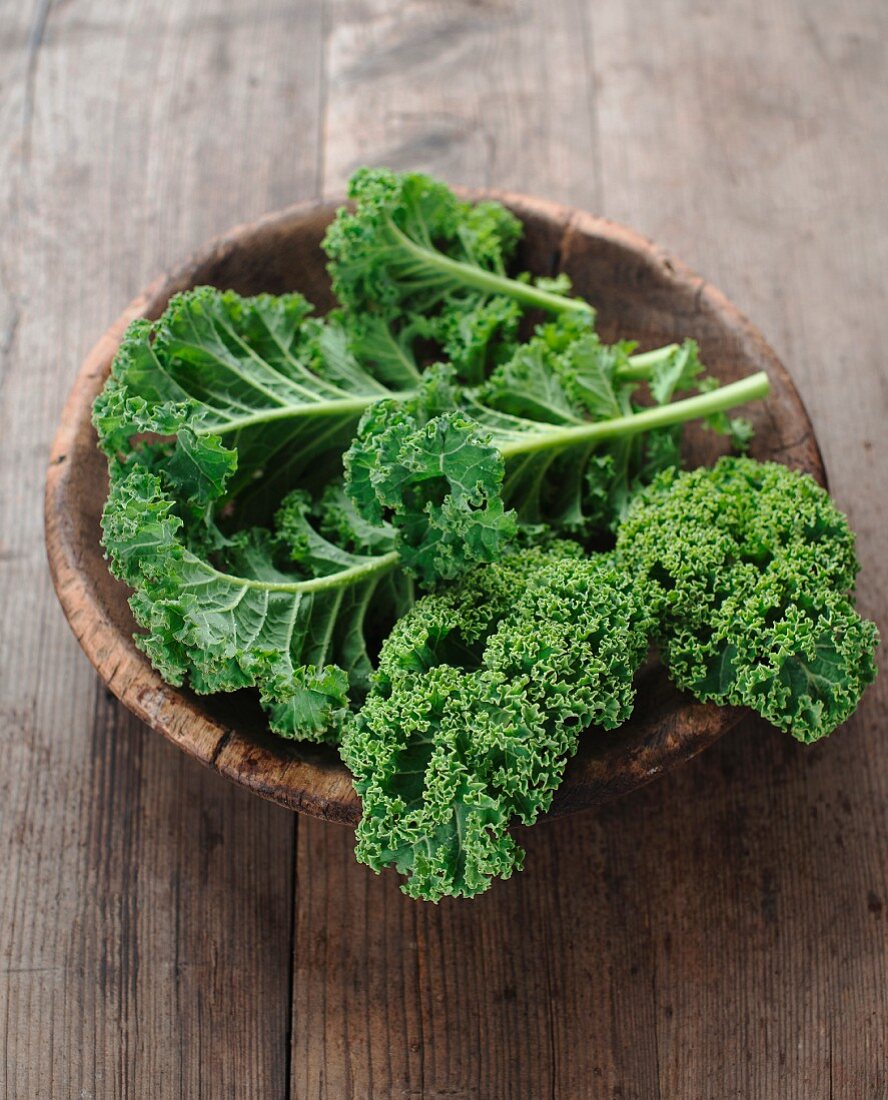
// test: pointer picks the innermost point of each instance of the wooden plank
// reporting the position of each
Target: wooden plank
(489, 94)
(413, 995)
(721, 933)
(144, 904)
(530, 990)
(770, 149)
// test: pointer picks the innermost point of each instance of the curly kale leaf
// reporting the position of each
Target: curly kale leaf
(432, 269)
(435, 478)
(554, 436)
(748, 569)
(284, 612)
(480, 698)
(198, 405)
(281, 389)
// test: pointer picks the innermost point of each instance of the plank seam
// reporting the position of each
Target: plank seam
(291, 963)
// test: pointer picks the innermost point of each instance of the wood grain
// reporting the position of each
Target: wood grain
(722, 933)
(145, 906)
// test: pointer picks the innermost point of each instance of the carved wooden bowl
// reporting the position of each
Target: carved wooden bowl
(640, 293)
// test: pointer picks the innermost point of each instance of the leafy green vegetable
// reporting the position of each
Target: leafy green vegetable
(432, 268)
(748, 568)
(435, 478)
(480, 699)
(228, 424)
(554, 434)
(280, 388)
(295, 630)
(197, 405)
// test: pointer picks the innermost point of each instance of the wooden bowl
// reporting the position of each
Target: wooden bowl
(640, 293)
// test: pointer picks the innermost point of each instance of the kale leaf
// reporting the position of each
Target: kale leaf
(554, 436)
(481, 696)
(227, 400)
(414, 265)
(748, 569)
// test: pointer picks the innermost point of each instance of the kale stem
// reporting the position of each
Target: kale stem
(661, 416)
(343, 407)
(481, 279)
(383, 563)
(641, 365)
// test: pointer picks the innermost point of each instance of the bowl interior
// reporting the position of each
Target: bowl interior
(640, 294)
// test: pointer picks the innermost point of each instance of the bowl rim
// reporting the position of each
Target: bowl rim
(304, 784)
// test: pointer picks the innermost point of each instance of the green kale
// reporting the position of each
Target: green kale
(220, 403)
(554, 436)
(481, 696)
(228, 424)
(413, 264)
(285, 612)
(748, 570)
(277, 386)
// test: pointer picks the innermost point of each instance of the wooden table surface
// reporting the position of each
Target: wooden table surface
(722, 933)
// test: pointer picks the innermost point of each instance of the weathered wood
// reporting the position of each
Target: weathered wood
(144, 905)
(640, 293)
(721, 933)
(771, 153)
